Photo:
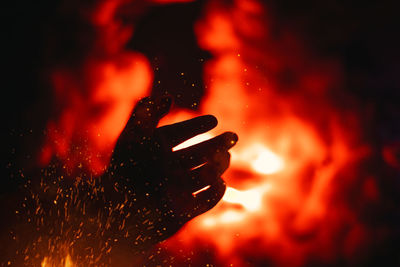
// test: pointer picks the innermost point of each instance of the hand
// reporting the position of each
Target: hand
(161, 182)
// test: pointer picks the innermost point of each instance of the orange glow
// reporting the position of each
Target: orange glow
(297, 152)
(93, 120)
(66, 262)
(261, 159)
(293, 146)
(93, 102)
(251, 199)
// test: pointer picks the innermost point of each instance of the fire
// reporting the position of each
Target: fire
(66, 262)
(296, 149)
(261, 159)
(251, 199)
(289, 158)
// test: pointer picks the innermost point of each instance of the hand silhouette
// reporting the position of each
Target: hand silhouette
(159, 182)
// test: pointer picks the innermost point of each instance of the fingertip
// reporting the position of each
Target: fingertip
(231, 139)
(210, 120)
(235, 137)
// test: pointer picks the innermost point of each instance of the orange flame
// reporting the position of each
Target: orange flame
(66, 262)
(296, 149)
(293, 145)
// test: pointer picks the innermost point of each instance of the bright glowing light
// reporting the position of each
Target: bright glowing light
(261, 159)
(251, 199)
(209, 222)
(231, 216)
(192, 141)
(267, 162)
(67, 262)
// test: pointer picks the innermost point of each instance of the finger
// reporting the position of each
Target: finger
(207, 199)
(200, 153)
(208, 173)
(146, 115)
(174, 134)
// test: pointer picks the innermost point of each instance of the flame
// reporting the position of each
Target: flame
(66, 262)
(251, 199)
(262, 160)
(296, 154)
(285, 167)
